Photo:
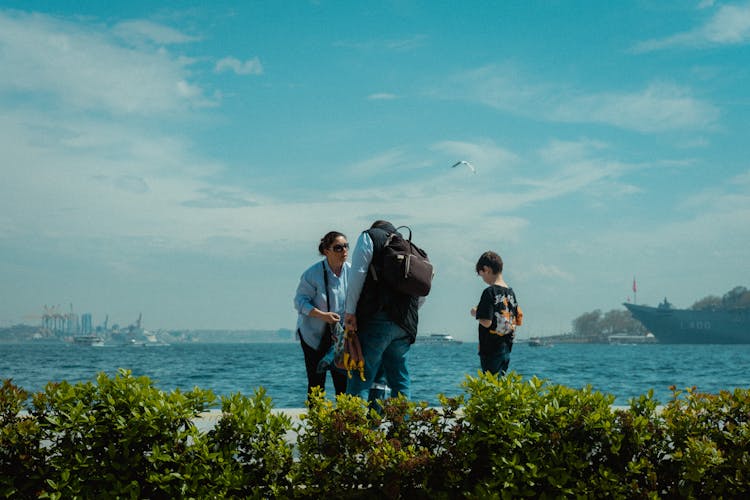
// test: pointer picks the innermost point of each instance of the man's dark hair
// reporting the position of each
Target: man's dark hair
(381, 224)
(491, 260)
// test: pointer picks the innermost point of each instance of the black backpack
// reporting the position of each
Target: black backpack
(406, 267)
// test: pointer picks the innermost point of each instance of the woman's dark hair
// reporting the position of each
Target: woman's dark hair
(491, 260)
(327, 240)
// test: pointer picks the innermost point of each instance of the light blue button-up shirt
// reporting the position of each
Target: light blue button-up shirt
(311, 293)
(361, 259)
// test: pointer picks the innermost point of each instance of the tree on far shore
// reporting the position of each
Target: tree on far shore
(595, 324)
(736, 298)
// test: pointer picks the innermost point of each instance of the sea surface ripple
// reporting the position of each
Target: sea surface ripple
(626, 371)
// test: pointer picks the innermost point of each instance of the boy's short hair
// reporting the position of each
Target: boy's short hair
(491, 260)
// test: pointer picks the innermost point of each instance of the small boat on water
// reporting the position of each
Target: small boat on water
(89, 340)
(437, 339)
(624, 338)
(538, 342)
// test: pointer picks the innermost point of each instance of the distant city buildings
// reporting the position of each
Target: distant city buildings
(86, 327)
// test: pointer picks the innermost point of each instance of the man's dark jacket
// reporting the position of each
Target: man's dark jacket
(377, 296)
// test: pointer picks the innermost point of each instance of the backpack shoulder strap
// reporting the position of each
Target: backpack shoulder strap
(325, 280)
(405, 227)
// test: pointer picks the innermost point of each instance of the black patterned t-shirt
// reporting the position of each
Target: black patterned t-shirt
(499, 304)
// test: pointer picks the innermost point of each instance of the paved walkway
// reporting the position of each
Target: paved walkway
(208, 419)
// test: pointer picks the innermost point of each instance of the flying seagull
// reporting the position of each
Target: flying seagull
(464, 162)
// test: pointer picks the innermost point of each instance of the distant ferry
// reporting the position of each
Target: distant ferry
(90, 340)
(538, 342)
(437, 338)
(626, 338)
(692, 326)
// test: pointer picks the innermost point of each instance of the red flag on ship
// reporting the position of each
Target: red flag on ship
(635, 289)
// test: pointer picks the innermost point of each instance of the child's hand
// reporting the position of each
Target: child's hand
(473, 312)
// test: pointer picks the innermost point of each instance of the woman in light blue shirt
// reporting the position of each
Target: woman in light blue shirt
(319, 301)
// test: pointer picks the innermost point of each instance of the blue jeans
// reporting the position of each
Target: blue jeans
(384, 345)
(496, 362)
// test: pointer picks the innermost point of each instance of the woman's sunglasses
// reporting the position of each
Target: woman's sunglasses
(340, 248)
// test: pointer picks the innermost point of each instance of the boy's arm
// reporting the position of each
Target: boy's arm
(479, 309)
(484, 322)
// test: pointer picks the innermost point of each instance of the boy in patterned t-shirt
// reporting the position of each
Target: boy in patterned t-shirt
(498, 314)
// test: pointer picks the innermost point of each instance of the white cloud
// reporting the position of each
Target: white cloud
(660, 107)
(382, 96)
(742, 179)
(132, 183)
(503, 87)
(84, 67)
(138, 31)
(386, 161)
(392, 44)
(220, 198)
(481, 154)
(552, 271)
(408, 43)
(557, 151)
(577, 168)
(248, 67)
(730, 25)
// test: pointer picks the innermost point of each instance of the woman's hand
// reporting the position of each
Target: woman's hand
(473, 312)
(328, 317)
(331, 317)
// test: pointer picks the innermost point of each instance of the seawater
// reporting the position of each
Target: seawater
(626, 371)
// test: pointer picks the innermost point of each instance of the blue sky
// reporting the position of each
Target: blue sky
(183, 160)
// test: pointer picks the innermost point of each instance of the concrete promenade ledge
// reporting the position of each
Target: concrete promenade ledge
(208, 419)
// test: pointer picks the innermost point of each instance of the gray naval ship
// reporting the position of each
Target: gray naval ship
(694, 326)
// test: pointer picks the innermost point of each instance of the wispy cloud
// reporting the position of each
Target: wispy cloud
(552, 271)
(576, 168)
(389, 44)
(132, 183)
(742, 179)
(406, 43)
(386, 161)
(141, 30)
(86, 67)
(659, 107)
(382, 96)
(219, 198)
(558, 169)
(482, 154)
(730, 25)
(249, 67)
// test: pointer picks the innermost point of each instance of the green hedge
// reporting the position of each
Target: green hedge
(503, 438)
